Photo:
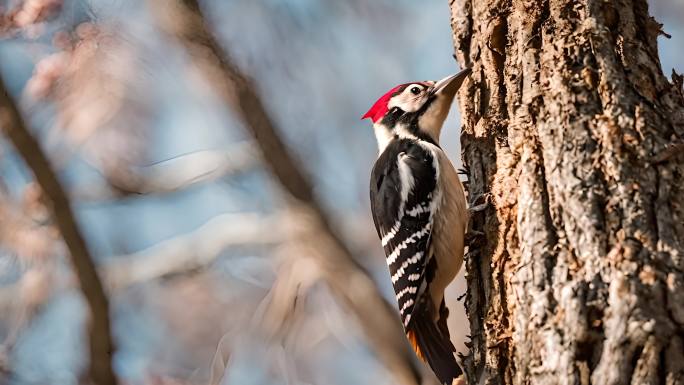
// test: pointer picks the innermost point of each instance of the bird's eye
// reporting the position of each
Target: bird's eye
(415, 90)
(395, 110)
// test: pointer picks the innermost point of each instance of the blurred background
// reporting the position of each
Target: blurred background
(192, 235)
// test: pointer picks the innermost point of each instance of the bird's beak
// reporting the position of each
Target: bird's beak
(441, 95)
(450, 84)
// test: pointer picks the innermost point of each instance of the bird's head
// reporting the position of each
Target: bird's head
(414, 109)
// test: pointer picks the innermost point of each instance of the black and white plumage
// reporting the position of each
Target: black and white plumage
(419, 211)
(403, 188)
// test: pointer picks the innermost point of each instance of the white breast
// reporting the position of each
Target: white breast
(449, 228)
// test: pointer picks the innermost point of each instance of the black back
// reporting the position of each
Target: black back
(411, 240)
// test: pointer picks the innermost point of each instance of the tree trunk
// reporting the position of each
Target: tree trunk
(572, 129)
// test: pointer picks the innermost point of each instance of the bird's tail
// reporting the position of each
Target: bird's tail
(432, 344)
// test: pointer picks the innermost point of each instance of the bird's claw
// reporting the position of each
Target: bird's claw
(479, 203)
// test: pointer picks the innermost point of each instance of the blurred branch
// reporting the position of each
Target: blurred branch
(101, 348)
(26, 14)
(184, 20)
(97, 87)
(32, 292)
(175, 257)
(180, 255)
(193, 251)
(24, 228)
(172, 175)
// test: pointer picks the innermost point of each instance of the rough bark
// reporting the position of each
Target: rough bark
(572, 128)
(101, 347)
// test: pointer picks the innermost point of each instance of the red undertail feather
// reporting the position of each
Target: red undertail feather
(433, 346)
(413, 340)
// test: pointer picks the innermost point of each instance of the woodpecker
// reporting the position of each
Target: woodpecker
(419, 210)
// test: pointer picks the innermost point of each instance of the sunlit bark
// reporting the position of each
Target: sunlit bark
(569, 124)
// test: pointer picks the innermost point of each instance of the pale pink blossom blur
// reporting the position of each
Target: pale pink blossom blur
(46, 73)
(36, 11)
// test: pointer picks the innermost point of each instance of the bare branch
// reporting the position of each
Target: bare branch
(177, 256)
(101, 348)
(97, 84)
(348, 280)
(172, 175)
(193, 251)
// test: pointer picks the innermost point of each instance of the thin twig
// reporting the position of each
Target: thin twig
(169, 176)
(194, 251)
(101, 348)
(184, 254)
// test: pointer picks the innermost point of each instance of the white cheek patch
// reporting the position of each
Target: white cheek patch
(407, 104)
(383, 135)
(407, 101)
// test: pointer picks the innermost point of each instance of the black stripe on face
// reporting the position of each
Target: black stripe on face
(396, 116)
(392, 117)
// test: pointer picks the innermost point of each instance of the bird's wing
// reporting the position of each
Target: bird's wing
(403, 185)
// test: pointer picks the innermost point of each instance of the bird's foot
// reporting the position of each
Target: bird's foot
(479, 203)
